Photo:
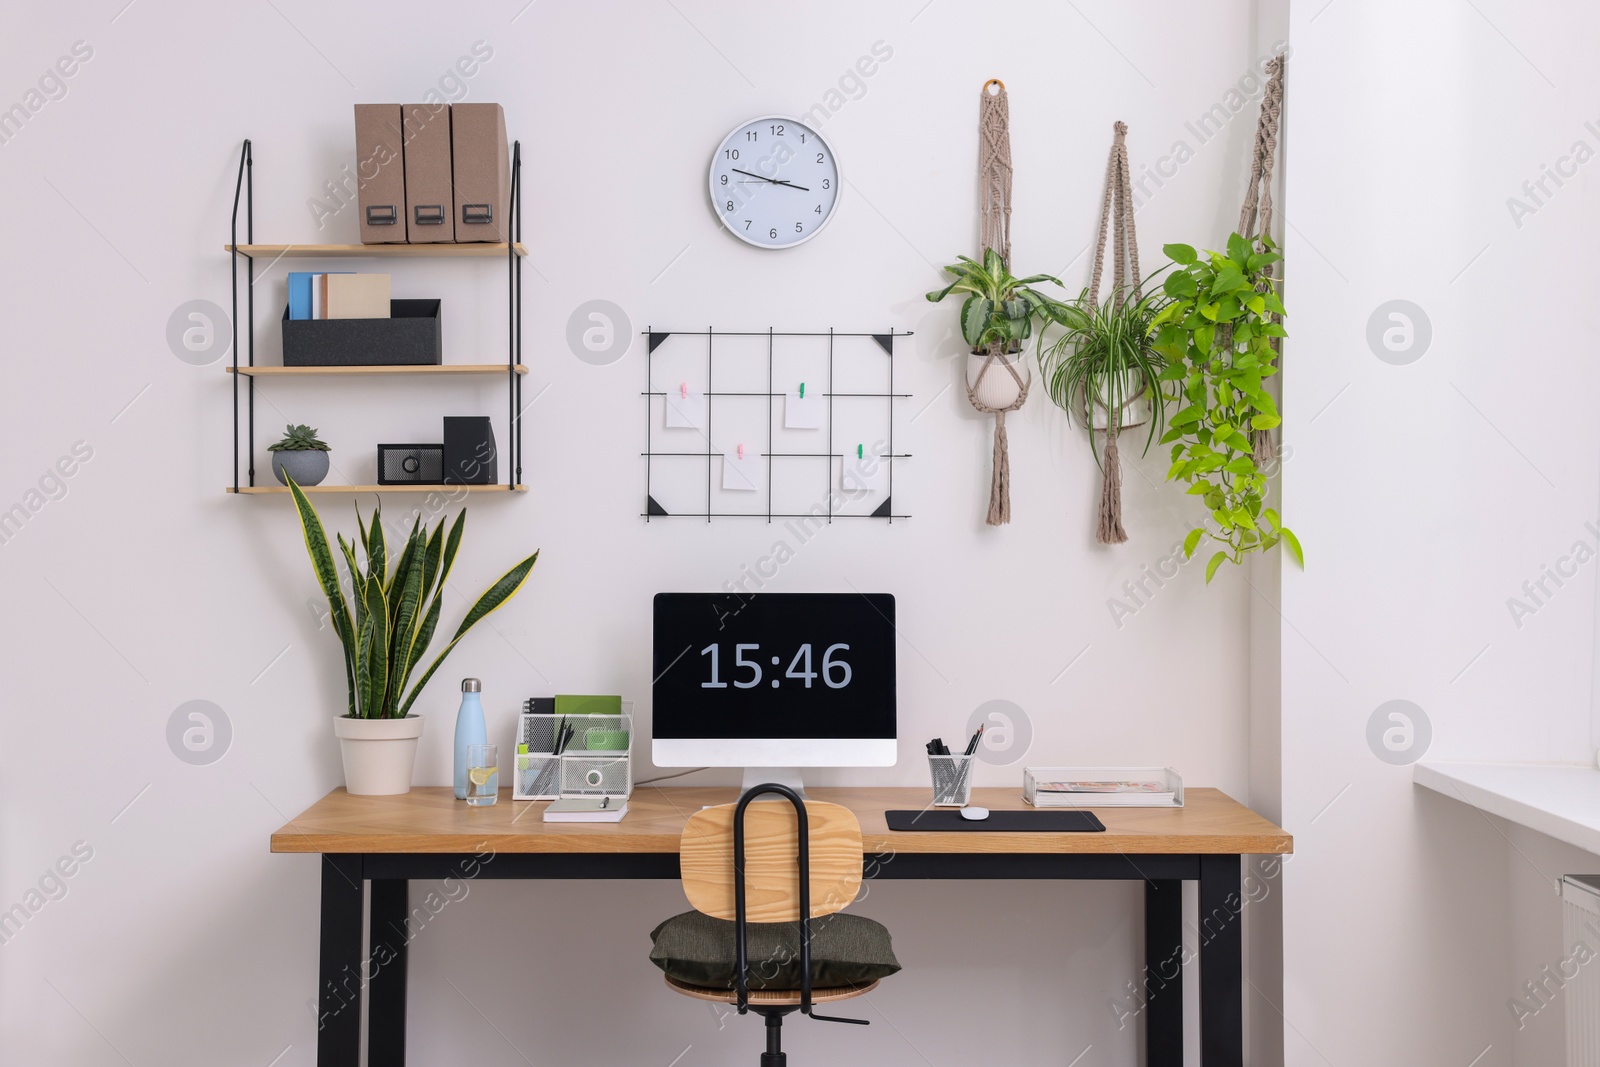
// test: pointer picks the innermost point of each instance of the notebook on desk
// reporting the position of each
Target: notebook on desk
(586, 809)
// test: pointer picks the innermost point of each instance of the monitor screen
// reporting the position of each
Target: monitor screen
(752, 670)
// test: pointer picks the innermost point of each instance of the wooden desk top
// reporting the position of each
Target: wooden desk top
(431, 820)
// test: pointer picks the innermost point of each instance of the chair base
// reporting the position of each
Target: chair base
(774, 1056)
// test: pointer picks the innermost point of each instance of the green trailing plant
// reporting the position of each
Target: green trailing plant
(999, 309)
(1217, 335)
(389, 622)
(1104, 349)
(298, 437)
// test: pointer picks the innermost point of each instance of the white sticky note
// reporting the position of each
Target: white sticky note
(802, 413)
(686, 412)
(741, 474)
(868, 474)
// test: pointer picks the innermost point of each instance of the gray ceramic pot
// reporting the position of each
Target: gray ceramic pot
(308, 467)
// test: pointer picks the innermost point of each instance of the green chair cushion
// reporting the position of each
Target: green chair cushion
(846, 950)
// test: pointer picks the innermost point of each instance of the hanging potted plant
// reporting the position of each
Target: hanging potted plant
(1217, 334)
(997, 315)
(299, 453)
(385, 631)
(1104, 372)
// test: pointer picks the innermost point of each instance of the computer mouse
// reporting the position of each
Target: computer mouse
(974, 813)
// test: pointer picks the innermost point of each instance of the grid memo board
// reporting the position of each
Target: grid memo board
(811, 413)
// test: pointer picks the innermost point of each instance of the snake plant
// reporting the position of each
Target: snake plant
(385, 630)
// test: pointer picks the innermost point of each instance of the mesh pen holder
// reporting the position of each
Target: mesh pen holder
(952, 780)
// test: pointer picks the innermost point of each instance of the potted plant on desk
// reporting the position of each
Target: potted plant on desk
(385, 631)
(300, 454)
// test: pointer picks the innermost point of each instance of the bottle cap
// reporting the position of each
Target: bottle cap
(471, 685)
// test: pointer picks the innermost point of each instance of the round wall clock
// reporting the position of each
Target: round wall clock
(774, 182)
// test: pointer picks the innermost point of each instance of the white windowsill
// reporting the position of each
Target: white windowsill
(1561, 800)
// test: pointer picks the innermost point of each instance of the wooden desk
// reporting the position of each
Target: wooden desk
(427, 833)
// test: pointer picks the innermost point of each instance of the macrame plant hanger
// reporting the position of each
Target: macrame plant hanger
(994, 191)
(1124, 249)
(1255, 217)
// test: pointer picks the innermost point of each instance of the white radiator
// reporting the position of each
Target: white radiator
(1580, 916)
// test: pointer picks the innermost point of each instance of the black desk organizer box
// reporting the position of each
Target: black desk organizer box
(411, 336)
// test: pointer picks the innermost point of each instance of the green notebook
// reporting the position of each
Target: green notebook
(588, 705)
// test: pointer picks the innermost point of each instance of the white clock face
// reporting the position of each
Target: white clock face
(774, 182)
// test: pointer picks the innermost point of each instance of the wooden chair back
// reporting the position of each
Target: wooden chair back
(771, 848)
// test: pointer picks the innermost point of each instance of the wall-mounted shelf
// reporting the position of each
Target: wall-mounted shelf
(263, 490)
(438, 251)
(512, 253)
(432, 368)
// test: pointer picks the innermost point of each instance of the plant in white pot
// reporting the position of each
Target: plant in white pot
(998, 311)
(1103, 371)
(385, 631)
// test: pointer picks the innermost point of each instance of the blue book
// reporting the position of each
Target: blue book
(300, 294)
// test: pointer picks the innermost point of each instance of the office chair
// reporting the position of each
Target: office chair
(767, 935)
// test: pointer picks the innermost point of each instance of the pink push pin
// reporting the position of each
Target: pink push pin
(683, 390)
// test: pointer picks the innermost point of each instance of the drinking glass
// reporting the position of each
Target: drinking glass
(483, 774)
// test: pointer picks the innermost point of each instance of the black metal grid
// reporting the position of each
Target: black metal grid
(653, 510)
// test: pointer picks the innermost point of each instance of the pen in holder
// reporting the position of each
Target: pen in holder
(952, 780)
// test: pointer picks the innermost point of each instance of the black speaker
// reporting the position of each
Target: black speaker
(410, 464)
(469, 452)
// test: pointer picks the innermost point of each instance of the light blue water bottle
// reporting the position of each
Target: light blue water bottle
(470, 730)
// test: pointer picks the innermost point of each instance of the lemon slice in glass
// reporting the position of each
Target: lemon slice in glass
(480, 776)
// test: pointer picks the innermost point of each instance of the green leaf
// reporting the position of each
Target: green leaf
(1179, 285)
(1188, 415)
(327, 574)
(1212, 565)
(1181, 254)
(1243, 518)
(1228, 280)
(1293, 544)
(975, 319)
(376, 667)
(1238, 248)
(1192, 542)
(1264, 422)
(1210, 312)
(1242, 465)
(1257, 304)
(493, 598)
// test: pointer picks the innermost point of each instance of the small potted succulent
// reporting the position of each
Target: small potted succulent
(300, 454)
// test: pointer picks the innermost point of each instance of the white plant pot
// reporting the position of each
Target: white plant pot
(1136, 410)
(998, 389)
(378, 754)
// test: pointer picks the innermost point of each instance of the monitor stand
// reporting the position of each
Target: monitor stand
(789, 776)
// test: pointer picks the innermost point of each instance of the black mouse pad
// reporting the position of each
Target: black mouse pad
(1067, 821)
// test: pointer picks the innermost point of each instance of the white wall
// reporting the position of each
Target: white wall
(1425, 495)
(144, 586)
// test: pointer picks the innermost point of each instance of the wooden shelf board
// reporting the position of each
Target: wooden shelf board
(446, 251)
(263, 490)
(429, 368)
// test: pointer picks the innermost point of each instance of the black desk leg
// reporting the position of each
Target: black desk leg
(1221, 963)
(386, 985)
(1163, 973)
(339, 964)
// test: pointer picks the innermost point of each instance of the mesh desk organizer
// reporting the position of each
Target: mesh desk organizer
(598, 762)
(856, 374)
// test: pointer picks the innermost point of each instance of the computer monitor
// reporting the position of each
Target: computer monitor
(773, 681)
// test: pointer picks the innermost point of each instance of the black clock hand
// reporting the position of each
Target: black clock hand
(770, 181)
